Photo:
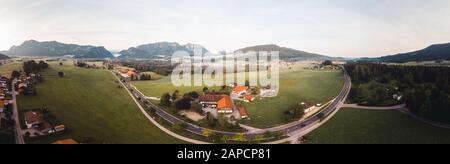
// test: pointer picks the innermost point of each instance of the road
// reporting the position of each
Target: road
(17, 130)
(292, 129)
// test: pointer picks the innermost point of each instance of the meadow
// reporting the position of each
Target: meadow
(355, 126)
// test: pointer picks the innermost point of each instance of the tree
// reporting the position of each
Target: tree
(15, 74)
(60, 63)
(175, 95)
(207, 132)
(183, 103)
(240, 137)
(197, 108)
(165, 100)
(194, 94)
(61, 74)
(205, 89)
(327, 62)
(258, 138)
(43, 65)
(224, 138)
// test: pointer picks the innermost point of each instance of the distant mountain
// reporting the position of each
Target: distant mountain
(3, 57)
(286, 53)
(158, 50)
(55, 49)
(433, 52)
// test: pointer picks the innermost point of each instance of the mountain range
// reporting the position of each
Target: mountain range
(55, 49)
(433, 52)
(286, 53)
(159, 50)
(3, 56)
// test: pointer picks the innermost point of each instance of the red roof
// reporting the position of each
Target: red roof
(209, 98)
(242, 112)
(239, 89)
(225, 103)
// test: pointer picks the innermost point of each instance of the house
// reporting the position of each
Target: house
(240, 90)
(216, 103)
(243, 112)
(209, 101)
(60, 128)
(131, 74)
(225, 105)
(249, 98)
(66, 142)
(33, 118)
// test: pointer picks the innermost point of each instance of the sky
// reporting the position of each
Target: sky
(347, 28)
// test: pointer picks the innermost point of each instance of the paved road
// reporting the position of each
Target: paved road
(374, 108)
(294, 128)
(17, 130)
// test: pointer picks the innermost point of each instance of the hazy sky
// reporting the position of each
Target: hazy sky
(351, 28)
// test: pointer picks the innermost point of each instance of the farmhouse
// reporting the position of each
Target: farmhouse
(215, 103)
(240, 90)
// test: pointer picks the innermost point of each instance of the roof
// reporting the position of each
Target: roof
(60, 127)
(210, 98)
(242, 112)
(249, 97)
(33, 117)
(131, 73)
(66, 141)
(239, 89)
(225, 103)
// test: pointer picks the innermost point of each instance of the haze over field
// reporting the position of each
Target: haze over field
(349, 28)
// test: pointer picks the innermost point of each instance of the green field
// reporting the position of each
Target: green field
(296, 85)
(6, 69)
(91, 105)
(354, 126)
(156, 88)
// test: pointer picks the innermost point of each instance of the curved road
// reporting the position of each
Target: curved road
(291, 129)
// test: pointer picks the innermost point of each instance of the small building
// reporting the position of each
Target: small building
(243, 112)
(249, 98)
(33, 118)
(66, 142)
(240, 90)
(60, 128)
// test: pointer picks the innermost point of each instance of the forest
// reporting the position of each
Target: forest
(424, 89)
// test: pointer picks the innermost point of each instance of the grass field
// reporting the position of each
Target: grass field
(6, 69)
(354, 126)
(90, 104)
(296, 85)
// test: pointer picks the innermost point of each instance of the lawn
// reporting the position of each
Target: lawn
(91, 105)
(156, 88)
(6, 69)
(295, 87)
(354, 126)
